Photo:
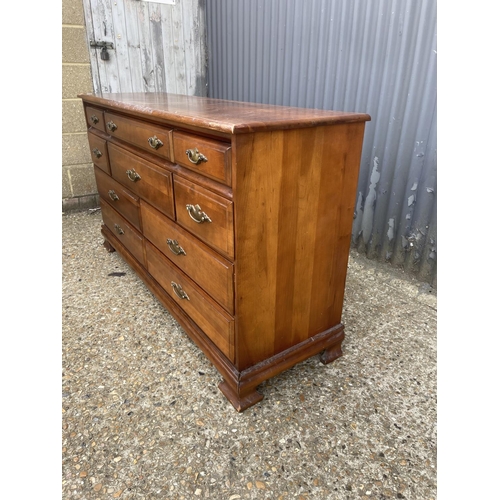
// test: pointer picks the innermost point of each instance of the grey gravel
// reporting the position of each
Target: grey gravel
(143, 417)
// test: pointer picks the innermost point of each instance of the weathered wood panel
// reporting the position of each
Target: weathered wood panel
(157, 47)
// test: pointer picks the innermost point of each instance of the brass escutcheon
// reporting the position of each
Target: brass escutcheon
(94, 119)
(111, 126)
(97, 152)
(133, 175)
(113, 195)
(197, 214)
(194, 156)
(154, 142)
(175, 247)
(118, 229)
(179, 291)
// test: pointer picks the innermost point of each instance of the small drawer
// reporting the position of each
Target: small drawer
(207, 268)
(205, 214)
(95, 118)
(150, 182)
(217, 325)
(206, 156)
(124, 231)
(118, 197)
(152, 138)
(99, 152)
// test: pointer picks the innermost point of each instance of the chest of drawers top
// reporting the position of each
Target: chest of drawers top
(217, 115)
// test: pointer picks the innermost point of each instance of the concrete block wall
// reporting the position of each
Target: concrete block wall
(79, 190)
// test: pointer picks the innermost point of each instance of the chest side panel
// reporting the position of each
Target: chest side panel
(294, 203)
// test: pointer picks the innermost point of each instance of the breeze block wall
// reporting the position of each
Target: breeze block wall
(79, 190)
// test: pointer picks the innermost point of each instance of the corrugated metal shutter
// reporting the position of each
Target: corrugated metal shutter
(377, 57)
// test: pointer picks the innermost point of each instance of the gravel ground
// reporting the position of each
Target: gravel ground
(142, 417)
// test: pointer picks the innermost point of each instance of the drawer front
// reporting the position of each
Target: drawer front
(150, 182)
(152, 138)
(206, 156)
(118, 197)
(207, 268)
(99, 152)
(95, 118)
(124, 231)
(205, 214)
(215, 323)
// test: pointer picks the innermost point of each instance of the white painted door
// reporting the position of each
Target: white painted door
(156, 46)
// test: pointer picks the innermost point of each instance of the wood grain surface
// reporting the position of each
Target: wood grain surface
(208, 315)
(205, 266)
(218, 155)
(294, 200)
(219, 233)
(220, 115)
(139, 133)
(121, 199)
(154, 185)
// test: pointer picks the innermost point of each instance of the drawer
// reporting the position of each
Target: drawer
(124, 231)
(99, 152)
(207, 268)
(217, 325)
(206, 156)
(95, 118)
(152, 138)
(205, 214)
(149, 181)
(118, 197)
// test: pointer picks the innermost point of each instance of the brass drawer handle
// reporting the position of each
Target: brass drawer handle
(118, 229)
(179, 291)
(133, 175)
(154, 142)
(197, 215)
(94, 119)
(194, 156)
(111, 126)
(175, 247)
(113, 195)
(97, 152)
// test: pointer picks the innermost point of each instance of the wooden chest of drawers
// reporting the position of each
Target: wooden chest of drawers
(238, 217)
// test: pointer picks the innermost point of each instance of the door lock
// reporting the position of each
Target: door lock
(104, 46)
(104, 54)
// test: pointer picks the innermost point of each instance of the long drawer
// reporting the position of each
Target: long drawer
(121, 199)
(148, 136)
(211, 318)
(205, 214)
(206, 267)
(129, 236)
(148, 181)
